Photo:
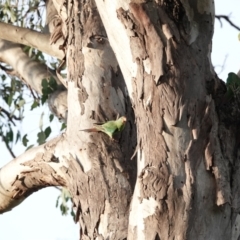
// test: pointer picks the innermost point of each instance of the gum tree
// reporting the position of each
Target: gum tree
(173, 173)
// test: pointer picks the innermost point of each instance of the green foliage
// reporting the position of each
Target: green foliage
(65, 197)
(48, 87)
(18, 136)
(43, 135)
(51, 117)
(14, 94)
(9, 136)
(233, 85)
(35, 104)
(12, 99)
(29, 147)
(12, 90)
(63, 126)
(25, 140)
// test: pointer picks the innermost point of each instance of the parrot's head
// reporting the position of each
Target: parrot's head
(120, 123)
(123, 119)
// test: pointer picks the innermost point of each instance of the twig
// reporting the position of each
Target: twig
(32, 92)
(12, 72)
(5, 68)
(10, 117)
(58, 188)
(8, 147)
(226, 18)
(222, 67)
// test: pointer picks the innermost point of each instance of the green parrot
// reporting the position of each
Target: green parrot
(232, 84)
(109, 127)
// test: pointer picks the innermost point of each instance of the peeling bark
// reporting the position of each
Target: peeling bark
(37, 168)
(172, 106)
(103, 176)
(149, 61)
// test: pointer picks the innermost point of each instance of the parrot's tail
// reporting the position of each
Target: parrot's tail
(90, 130)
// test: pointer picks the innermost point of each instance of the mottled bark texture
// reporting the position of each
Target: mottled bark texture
(181, 127)
(183, 185)
(35, 169)
(100, 175)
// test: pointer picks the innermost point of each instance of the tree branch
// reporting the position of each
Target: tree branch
(32, 73)
(30, 70)
(226, 18)
(9, 115)
(31, 38)
(37, 168)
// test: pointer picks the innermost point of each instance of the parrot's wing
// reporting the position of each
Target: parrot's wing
(121, 127)
(109, 127)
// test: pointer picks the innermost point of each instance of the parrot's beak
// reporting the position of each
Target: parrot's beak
(124, 119)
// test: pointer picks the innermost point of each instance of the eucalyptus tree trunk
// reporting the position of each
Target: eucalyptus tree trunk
(163, 49)
(173, 173)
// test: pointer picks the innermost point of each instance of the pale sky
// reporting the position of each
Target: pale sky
(37, 218)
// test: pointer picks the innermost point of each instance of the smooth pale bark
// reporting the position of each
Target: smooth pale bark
(30, 70)
(31, 38)
(96, 93)
(32, 74)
